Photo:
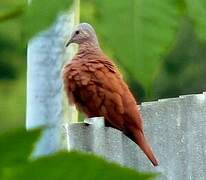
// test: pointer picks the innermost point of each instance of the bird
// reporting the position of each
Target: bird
(96, 87)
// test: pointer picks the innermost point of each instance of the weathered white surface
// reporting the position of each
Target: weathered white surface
(46, 102)
(176, 130)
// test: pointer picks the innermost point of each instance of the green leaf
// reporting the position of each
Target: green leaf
(139, 32)
(77, 166)
(16, 146)
(41, 13)
(197, 12)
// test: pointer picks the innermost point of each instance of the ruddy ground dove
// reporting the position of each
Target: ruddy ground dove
(94, 84)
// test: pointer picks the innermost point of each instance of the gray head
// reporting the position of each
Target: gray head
(84, 34)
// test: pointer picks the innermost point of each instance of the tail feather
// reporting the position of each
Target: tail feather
(144, 145)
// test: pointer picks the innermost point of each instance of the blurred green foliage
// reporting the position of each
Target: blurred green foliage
(42, 13)
(11, 9)
(138, 35)
(184, 68)
(12, 75)
(158, 45)
(197, 12)
(16, 163)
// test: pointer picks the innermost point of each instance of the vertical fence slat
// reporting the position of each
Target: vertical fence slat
(46, 101)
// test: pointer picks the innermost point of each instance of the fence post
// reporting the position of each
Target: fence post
(46, 101)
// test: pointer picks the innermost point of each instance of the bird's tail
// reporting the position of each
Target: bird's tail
(144, 145)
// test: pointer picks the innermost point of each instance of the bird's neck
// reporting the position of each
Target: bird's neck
(89, 46)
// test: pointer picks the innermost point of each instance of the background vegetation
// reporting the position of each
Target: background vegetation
(158, 45)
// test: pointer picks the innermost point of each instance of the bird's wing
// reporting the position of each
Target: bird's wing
(96, 88)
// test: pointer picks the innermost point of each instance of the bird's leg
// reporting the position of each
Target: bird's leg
(96, 121)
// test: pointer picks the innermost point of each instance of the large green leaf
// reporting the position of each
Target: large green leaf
(16, 147)
(197, 11)
(139, 32)
(77, 166)
(42, 13)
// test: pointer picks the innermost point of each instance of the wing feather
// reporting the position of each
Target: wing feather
(95, 87)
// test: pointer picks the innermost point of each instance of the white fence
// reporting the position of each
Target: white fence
(176, 129)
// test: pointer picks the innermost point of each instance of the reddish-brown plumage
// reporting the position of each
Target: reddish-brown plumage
(96, 87)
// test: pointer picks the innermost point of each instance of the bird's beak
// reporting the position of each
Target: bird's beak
(69, 42)
(71, 39)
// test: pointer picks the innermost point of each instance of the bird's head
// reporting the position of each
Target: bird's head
(83, 34)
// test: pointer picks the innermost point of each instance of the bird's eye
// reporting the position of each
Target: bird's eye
(77, 32)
